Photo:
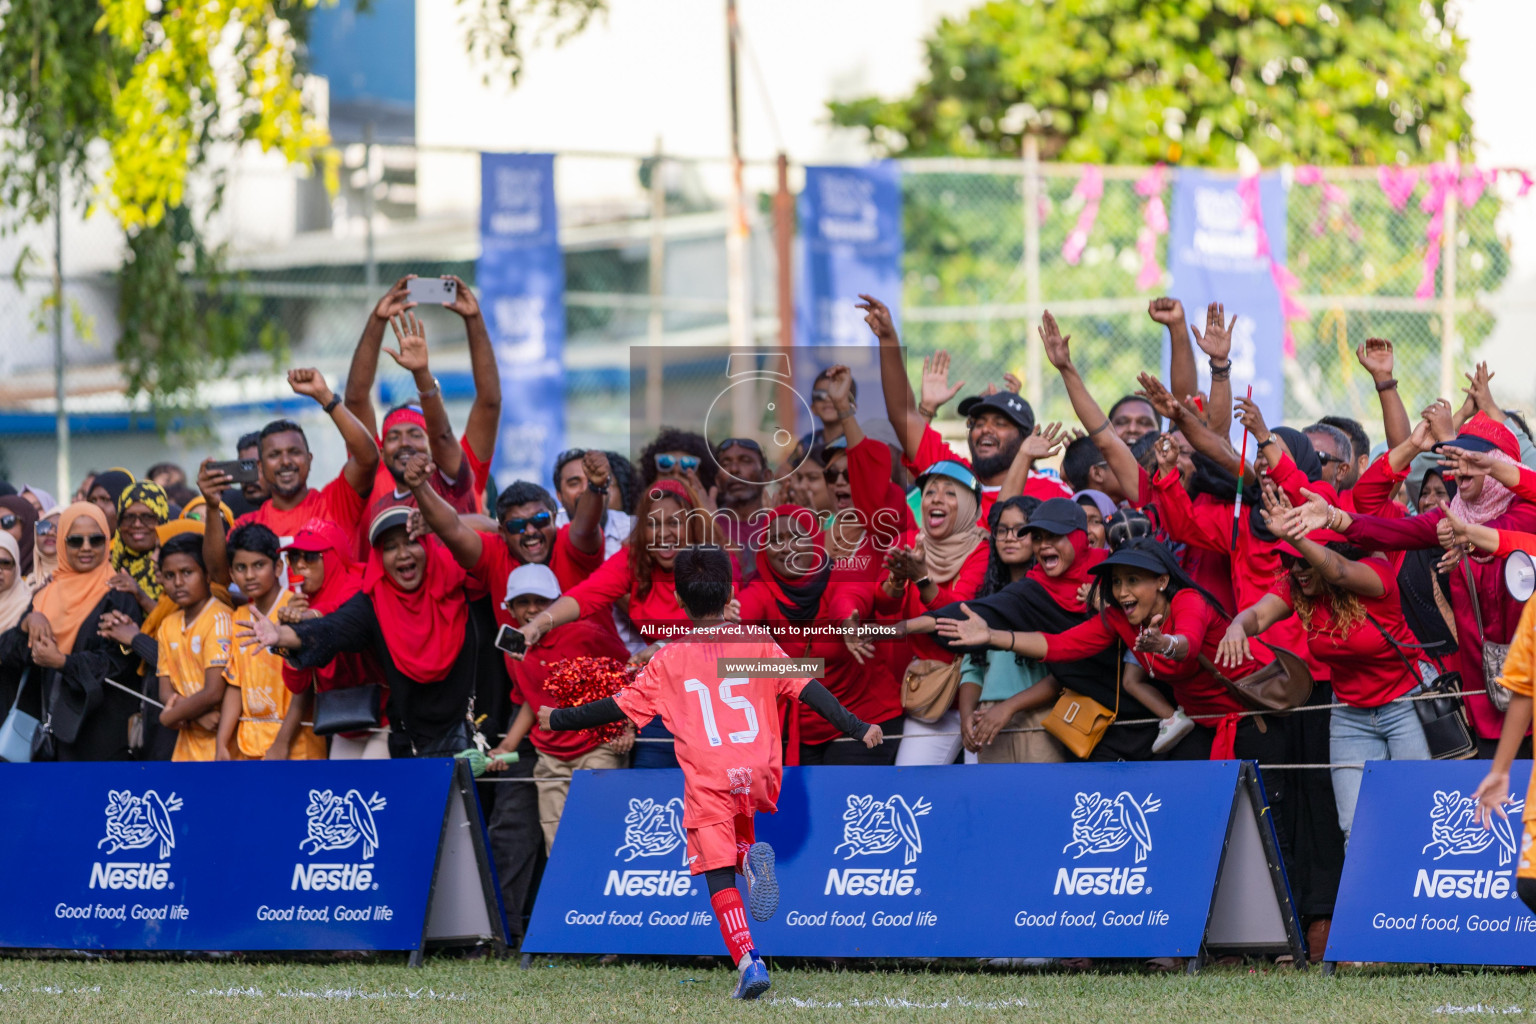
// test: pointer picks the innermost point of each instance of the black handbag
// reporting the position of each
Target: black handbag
(1443, 716)
(349, 709)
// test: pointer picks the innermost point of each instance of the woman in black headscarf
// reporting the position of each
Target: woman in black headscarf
(106, 489)
(18, 518)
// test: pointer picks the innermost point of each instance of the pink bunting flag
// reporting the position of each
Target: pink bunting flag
(1090, 187)
(1285, 281)
(1442, 178)
(1398, 183)
(1154, 217)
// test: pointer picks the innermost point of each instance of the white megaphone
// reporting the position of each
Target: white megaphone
(1520, 575)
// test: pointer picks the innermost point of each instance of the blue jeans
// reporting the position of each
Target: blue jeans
(1389, 733)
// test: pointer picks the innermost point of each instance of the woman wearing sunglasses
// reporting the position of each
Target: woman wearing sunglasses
(45, 550)
(18, 518)
(66, 661)
(1349, 604)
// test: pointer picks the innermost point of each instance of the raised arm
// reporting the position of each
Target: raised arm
(463, 543)
(1216, 343)
(1377, 358)
(411, 336)
(900, 404)
(973, 631)
(362, 451)
(1335, 569)
(1200, 437)
(1181, 356)
(1115, 451)
(365, 358)
(587, 524)
(1043, 443)
(485, 412)
(211, 483)
(840, 389)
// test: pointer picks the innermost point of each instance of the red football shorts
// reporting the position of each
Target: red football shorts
(721, 845)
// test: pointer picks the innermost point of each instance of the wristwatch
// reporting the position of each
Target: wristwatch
(435, 389)
(920, 584)
(330, 406)
(601, 488)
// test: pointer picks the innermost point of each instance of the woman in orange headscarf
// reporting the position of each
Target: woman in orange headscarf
(66, 662)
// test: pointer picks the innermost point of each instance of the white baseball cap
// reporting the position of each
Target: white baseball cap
(532, 579)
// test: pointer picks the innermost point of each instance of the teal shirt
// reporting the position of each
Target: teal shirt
(1007, 675)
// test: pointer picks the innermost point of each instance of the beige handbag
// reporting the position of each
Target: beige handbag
(928, 688)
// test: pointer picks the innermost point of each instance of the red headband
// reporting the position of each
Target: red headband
(673, 487)
(407, 414)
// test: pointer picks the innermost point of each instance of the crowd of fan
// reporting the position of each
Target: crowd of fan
(248, 615)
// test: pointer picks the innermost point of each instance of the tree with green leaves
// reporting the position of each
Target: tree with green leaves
(133, 104)
(1185, 82)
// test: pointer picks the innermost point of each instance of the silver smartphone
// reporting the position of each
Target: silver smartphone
(434, 291)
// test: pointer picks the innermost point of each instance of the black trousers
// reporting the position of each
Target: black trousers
(851, 752)
(517, 845)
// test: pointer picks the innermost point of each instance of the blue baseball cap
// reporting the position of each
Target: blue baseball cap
(956, 471)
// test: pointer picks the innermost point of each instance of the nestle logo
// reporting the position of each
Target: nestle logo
(648, 882)
(128, 875)
(871, 882)
(1101, 882)
(1463, 884)
(333, 877)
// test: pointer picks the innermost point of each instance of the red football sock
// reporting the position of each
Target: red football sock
(733, 922)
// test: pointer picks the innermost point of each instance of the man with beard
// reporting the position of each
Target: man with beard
(743, 480)
(286, 461)
(411, 430)
(996, 424)
(478, 444)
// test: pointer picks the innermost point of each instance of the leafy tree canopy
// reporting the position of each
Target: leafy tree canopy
(1185, 81)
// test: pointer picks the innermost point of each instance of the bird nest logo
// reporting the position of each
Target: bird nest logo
(1104, 825)
(338, 822)
(873, 826)
(1453, 832)
(135, 822)
(653, 829)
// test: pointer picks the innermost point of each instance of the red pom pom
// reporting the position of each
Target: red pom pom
(577, 681)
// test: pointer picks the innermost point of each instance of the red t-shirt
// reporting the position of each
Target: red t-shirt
(614, 581)
(1211, 569)
(726, 729)
(584, 638)
(932, 449)
(458, 492)
(1190, 616)
(480, 472)
(1367, 671)
(569, 565)
(337, 502)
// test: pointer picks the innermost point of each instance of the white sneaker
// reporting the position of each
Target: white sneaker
(1172, 729)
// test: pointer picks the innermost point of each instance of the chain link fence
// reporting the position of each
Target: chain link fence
(645, 263)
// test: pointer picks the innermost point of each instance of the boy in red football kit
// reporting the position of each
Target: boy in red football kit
(728, 744)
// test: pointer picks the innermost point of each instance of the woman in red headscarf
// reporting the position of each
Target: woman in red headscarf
(795, 590)
(412, 613)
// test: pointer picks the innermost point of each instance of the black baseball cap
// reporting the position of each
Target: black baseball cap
(1059, 516)
(1006, 402)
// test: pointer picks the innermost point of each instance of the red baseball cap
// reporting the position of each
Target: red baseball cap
(1482, 433)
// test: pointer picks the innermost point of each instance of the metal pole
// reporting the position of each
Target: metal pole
(738, 296)
(61, 418)
(783, 246)
(1034, 384)
(370, 260)
(1448, 339)
(656, 318)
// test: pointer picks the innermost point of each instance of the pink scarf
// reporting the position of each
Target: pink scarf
(1494, 500)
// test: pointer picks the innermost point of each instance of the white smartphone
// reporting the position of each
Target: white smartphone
(510, 640)
(436, 291)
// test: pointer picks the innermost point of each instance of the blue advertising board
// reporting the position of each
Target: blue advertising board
(851, 241)
(1422, 882)
(328, 854)
(521, 278)
(1088, 860)
(1213, 256)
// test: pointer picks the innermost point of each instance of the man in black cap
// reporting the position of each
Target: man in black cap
(996, 422)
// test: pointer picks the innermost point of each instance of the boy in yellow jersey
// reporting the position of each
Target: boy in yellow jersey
(1520, 677)
(261, 718)
(194, 645)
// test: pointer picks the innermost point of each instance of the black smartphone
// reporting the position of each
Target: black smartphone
(511, 641)
(241, 471)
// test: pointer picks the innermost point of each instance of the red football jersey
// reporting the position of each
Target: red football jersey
(726, 728)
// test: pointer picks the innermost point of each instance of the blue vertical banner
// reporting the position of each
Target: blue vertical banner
(1214, 256)
(521, 277)
(850, 234)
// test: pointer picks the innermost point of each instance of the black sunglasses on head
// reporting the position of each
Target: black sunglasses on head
(519, 524)
(93, 540)
(743, 442)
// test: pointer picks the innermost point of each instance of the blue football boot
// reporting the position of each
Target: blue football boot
(753, 980)
(762, 882)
